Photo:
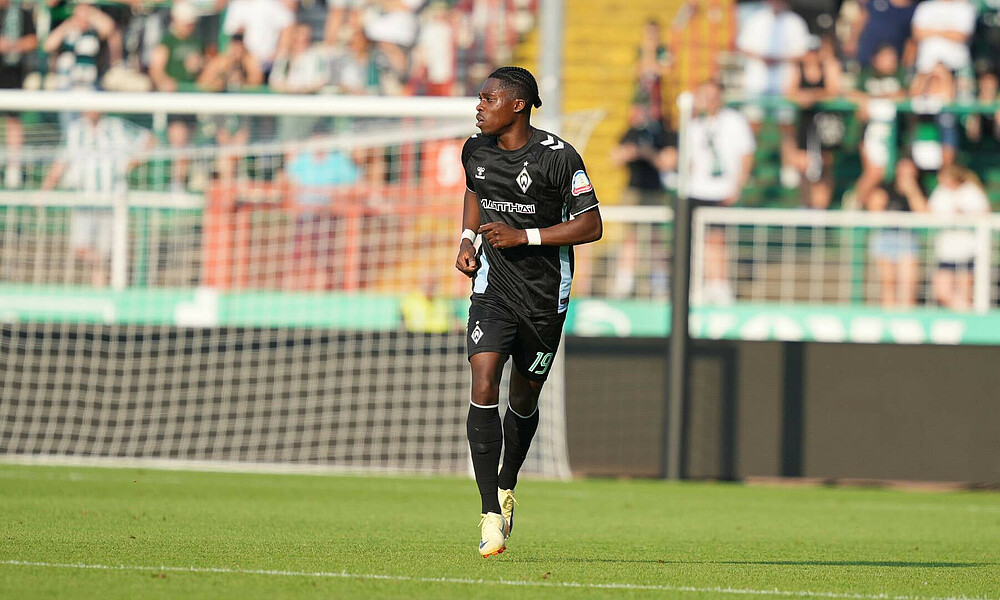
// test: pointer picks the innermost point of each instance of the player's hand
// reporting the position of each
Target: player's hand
(501, 235)
(466, 261)
(730, 201)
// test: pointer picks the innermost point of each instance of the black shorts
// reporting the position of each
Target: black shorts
(532, 341)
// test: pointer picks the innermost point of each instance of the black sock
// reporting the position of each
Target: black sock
(485, 440)
(517, 434)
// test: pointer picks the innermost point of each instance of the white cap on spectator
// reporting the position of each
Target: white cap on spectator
(183, 12)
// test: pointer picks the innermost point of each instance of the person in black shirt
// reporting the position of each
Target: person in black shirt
(529, 197)
(17, 41)
(817, 78)
(646, 149)
(649, 152)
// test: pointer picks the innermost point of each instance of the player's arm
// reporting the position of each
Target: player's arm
(466, 261)
(566, 171)
(584, 228)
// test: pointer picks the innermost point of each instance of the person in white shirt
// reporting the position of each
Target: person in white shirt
(721, 146)
(942, 29)
(98, 152)
(262, 23)
(434, 54)
(300, 68)
(772, 40)
(392, 25)
(958, 194)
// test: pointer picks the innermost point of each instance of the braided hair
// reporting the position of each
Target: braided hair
(521, 82)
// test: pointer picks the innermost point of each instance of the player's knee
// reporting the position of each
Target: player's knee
(524, 404)
(485, 392)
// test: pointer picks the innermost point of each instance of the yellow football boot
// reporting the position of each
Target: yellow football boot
(492, 541)
(507, 503)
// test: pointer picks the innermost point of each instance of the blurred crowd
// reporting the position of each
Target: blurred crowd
(815, 68)
(427, 47)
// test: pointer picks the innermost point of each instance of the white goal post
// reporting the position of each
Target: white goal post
(245, 300)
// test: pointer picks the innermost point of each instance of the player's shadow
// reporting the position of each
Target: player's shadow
(804, 563)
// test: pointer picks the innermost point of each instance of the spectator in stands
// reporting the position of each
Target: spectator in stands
(894, 249)
(392, 25)
(816, 79)
(986, 57)
(879, 87)
(300, 68)
(180, 56)
(935, 133)
(820, 16)
(76, 46)
(434, 54)
(722, 152)
(177, 61)
(98, 152)
(313, 174)
(646, 150)
(959, 194)
(942, 30)
(231, 71)
(881, 23)
(262, 23)
(59, 11)
(986, 41)
(985, 127)
(17, 39)
(342, 18)
(772, 40)
(652, 65)
(356, 70)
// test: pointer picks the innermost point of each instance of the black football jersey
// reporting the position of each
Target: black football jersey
(541, 184)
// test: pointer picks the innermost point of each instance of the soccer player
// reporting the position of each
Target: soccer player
(529, 197)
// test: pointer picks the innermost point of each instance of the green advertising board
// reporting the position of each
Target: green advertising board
(589, 317)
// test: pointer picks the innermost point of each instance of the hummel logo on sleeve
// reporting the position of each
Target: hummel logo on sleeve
(552, 143)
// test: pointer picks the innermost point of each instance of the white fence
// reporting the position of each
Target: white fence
(816, 257)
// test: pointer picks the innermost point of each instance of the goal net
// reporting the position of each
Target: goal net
(247, 282)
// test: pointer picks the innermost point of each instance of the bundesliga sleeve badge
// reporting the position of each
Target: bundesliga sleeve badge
(581, 183)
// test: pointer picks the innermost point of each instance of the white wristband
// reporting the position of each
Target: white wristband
(470, 235)
(534, 238)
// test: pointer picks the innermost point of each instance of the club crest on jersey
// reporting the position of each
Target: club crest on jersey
(524, 180)
(581, 183)
(477, 334)
(480, 172)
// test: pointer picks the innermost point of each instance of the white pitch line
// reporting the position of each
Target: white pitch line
(509, 582)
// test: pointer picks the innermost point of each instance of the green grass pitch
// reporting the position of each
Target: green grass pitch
(126, 533)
